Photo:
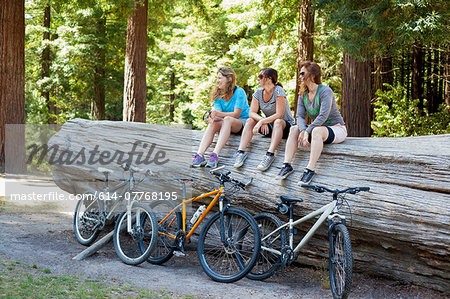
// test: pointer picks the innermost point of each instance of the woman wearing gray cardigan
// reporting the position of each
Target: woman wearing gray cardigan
(327, 123)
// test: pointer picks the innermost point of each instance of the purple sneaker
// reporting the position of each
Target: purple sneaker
(213, 161)
(198, 161)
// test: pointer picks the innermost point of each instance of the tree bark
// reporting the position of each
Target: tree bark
(134, 95)
(98, 103)
(172, 96)
(417, 75)
(447, 79)
(12, 85)
(305, 44)
(356, 95)
(399, 229)
(46, 63)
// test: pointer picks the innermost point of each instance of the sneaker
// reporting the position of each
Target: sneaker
(213, 161)
(266, 162)
(285, 171)
(198, 161)
(240, 158)
(307, 176)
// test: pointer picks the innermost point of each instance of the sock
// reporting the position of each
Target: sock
(287, 164)
(269, 154)
(240, 152)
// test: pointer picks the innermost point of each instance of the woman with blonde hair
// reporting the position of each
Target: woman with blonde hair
(327, 123)
(228, 116)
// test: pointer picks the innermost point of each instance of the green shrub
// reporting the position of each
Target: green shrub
(398, 116)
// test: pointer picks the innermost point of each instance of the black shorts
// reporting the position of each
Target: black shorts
(286, 130)
(330, 138)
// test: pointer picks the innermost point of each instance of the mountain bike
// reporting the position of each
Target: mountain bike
(229, 242)
(134, 236)
(277, 239)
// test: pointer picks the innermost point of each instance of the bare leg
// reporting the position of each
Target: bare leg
(319, 135)
(208, 136)
(247, 134)
(230, 124)
(291, 144)
(277, 134)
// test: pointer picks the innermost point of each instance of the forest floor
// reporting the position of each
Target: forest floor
(40, 240)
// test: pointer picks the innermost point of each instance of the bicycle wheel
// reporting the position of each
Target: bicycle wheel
(231, 260)
(87, 220)
(167, 231)
(134, 247)
(341, 261)
(268, 261)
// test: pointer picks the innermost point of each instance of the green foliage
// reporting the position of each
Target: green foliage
(398, 116)
(189, 40)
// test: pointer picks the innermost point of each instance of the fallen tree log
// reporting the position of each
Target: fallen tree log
(400, 229)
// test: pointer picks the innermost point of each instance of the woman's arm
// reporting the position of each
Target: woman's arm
(280, 105)
(217, 113)
(301, 114)
(254, 108)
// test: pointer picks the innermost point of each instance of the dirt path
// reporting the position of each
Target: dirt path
(47, 240)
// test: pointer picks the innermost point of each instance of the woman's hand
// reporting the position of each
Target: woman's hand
(264, 128)
(213, 114)
(303, 139)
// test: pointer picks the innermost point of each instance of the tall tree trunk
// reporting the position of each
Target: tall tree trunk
(437, 100)
(382, 73)
(12, 85)
(172, 96)
(408, 66)
(417, 75)
(134, 94)
(305, 44)
(447, 79)
(98, 103)
(46, 63)
(356, 95)
(429, 78)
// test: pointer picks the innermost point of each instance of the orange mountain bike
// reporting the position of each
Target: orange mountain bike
(229, 242)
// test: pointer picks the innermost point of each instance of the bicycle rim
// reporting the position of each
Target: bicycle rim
(341, 262)
(167, 231)
(134, 247)
(229, 262)
(268, 261)
(86, 219)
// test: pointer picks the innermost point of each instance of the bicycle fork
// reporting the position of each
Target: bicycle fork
(222, 210)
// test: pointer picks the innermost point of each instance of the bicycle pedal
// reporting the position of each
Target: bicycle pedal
(178, 253)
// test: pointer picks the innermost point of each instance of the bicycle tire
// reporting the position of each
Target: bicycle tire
(167, 230)
(135, 247)
(86, 220)
(225, 263)
(340, 262)
(268, 262)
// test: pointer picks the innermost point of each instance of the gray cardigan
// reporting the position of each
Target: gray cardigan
(322, 109)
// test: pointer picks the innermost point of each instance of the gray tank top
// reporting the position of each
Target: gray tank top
(270, 108)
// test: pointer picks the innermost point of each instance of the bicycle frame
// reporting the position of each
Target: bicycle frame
(217, 198)
(130, 183)
(325, 210)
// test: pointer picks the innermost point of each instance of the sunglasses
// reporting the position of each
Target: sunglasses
(302, 74)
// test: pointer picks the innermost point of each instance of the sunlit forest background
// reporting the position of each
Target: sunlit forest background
(75, 57)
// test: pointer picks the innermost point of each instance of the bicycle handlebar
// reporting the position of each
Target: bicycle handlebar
(321, 189)
(225, 177)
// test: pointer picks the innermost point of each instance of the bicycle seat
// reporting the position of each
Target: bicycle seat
(101, 169)
(288, 200)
